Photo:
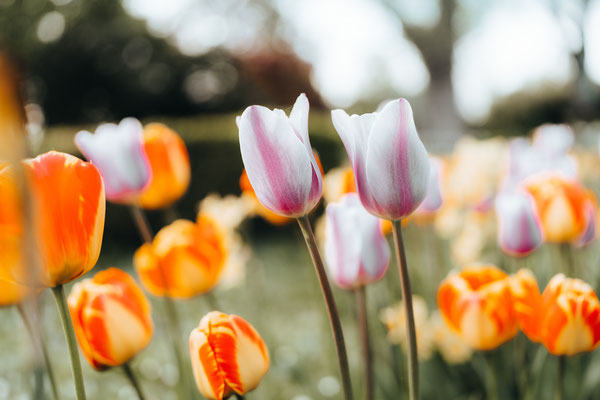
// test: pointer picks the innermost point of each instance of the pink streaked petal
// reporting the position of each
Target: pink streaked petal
(433, 199)
(397, 164)
(276, 161)
(299, 120)
(342, 245)
(375, 251)
(354, 134)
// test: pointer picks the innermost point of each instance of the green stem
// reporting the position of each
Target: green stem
(363, 325)
(239, 396)
(39, 346)
(491, 383)
(65, 318)
(413, 361)
(334, 319)
(560, 378)
(133, 380)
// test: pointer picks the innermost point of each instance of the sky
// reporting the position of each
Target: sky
(358, 48)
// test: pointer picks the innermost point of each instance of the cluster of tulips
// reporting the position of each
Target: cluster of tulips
(52, 220)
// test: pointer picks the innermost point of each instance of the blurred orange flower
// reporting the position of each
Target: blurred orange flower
(170, 165)
(12, 293)
(565, 318)
(185, 259)
(477, 304)
(69, 208)
(566, 209)
(111, 318)
(228, 356)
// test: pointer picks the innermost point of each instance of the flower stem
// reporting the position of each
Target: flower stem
(491, 383)
(334, 319)
(141, 222)
(184, 389)
(133, 380)
(413, 362)
(67, 324)
(560, 378)
(361, 306)
(40, 347)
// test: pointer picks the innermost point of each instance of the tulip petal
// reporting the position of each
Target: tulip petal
(299, 120)
(520, 230)
(354, 131)
(397, 164)
(276, 161)
(342, 246)
(207, 373)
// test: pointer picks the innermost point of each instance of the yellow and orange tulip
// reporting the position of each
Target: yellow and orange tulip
(477, 304)
(170, 165)
(228, 356)
(68, 210)
(565, 318)
(111, 318)
(185, 258)
(12, 293)
(566, 209)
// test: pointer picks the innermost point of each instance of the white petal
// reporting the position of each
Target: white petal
(397, 163)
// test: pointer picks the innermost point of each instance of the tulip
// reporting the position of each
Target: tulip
(170, 166)
(356, 251)
(118, 152)
(565, 318)
(566, 209)
(389, 160)
(111, 317)
(477, 304)
(279, 159)
(519, 231)
(228, 356)
(185, 259)
(69, 208)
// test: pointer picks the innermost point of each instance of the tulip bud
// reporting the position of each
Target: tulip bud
(185, 259)
(111, 318)
(228, 356)
(118, 152)
(477, 304)
(258, 208)
(279, 160)
(68, 214)
(389, 160)
(170, 166)
(519, 231)
(355, 249)
(564, 318)
(566, 209)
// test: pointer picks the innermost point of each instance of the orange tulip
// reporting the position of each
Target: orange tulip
(68, 207)
(111, 318)
(228, 356)
(170, 165)
(477, 304)
(566, 209)
(565, 317)
(185, 258)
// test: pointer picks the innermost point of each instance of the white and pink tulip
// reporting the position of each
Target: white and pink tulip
(356, 251)
(118, 153)
(390, 163)
(279, 160)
